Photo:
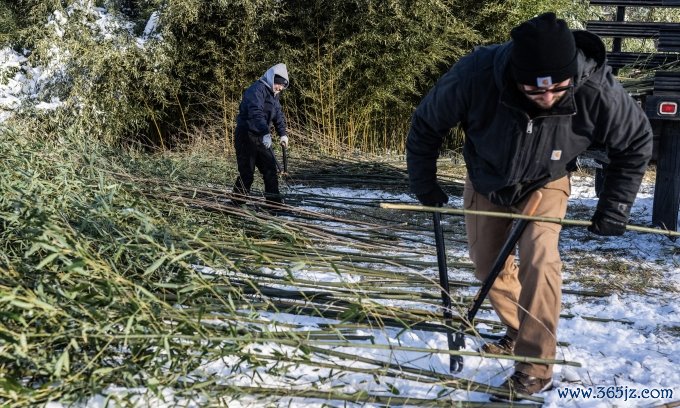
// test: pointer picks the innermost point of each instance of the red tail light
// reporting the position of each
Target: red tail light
(668, 108)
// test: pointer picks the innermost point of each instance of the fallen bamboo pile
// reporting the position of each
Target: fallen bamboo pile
(111, 277)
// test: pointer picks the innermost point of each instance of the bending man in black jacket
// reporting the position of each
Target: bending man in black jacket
(260, 108)
(528, 108)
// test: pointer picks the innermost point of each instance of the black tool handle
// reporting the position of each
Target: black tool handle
(285, 159)
(455, 362)
(278, 165)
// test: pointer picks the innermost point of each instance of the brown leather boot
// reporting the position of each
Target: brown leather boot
(520, 386)
(504, 346)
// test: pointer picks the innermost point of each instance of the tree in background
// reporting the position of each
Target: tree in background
(358, 67)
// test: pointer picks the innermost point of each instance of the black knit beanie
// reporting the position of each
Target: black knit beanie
(278, 79)
(543, 51)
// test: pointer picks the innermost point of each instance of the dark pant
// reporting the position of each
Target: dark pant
(251, 153)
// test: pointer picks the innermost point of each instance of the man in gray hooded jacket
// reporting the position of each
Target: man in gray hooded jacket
(259, 109)
(528, 108)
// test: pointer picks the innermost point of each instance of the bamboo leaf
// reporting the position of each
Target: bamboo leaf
(47, 260)
(10, 385)
(102, 371)
(44, 305)
(21, 304)
(62, 364)
(183, 255)
(155, 265)
(393, 389)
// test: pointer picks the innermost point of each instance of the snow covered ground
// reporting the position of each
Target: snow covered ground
(628, 358)
(632, 361)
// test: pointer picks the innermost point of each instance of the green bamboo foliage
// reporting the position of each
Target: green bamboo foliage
(112, 278)
(129, 270)
(7, 23)
(218, 49)
(358, 68)
(359, 78)
(113, 88)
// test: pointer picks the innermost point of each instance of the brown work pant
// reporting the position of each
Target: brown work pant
(526, 298)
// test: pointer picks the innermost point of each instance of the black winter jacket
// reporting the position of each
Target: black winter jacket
(260, 108)
(509, 150)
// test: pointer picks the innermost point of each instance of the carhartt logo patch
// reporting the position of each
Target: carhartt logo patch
(544, 81)
(556, 155)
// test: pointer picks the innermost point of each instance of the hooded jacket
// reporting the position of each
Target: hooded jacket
(512, 148)
(260, 108)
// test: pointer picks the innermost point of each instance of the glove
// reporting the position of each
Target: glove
(267, 140)
(284, 141)
(604, 225)
(433, 198)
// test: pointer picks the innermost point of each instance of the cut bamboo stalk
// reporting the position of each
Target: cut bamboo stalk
(554, 220)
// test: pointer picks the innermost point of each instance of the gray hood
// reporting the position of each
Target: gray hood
(278, 69)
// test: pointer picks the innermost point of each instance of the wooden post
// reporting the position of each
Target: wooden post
(616, 45)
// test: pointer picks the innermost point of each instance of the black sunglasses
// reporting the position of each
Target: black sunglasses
(541, 91)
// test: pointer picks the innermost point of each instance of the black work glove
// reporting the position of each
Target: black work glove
(604, 225)
(433, 198)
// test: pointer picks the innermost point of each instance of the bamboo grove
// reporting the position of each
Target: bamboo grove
(357, 67)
